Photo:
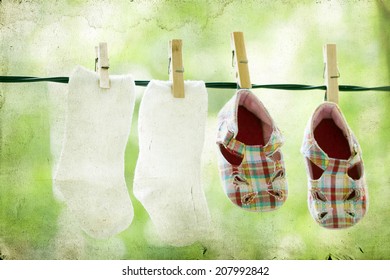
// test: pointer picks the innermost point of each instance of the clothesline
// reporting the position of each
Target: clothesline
(217, 85)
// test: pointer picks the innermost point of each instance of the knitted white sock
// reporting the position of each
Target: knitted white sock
(90, 174)
(167, 176)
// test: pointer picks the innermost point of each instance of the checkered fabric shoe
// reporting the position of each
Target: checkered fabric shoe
(250, 160)
(337, 194)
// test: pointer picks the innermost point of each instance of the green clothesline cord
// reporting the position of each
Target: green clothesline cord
(220, 85)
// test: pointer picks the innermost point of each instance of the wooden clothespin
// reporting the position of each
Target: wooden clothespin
(176, 70)
(240, 60)
(331, 73)
(102, 65)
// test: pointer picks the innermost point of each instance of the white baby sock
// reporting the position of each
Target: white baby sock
(90, 174)
(167, 176)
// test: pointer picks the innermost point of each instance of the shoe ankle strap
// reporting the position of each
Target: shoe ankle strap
(236, 147)
(233, 145)
(316, 155)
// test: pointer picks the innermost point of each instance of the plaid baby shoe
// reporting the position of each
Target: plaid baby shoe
(337, 193)
(250, 161)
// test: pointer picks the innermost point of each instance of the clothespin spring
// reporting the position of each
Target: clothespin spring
(332, 77)
(170, 65)
(241, 61)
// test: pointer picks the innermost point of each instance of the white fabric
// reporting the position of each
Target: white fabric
(58, 103)
(167, 176)
(90, 174)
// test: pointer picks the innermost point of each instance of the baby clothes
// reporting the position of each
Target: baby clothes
(90, 174)
(337, 193)
(167, 176)
(250, 159)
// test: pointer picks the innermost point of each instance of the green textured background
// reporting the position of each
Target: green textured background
(284, 42)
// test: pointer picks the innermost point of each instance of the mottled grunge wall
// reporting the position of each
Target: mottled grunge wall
(284, 40)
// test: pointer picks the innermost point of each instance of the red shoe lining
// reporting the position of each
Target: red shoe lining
(250, 132)
(332, 141)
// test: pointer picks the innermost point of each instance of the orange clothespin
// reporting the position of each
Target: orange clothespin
(240, 60)
(176, 70)
(331, 73)
(102, 65)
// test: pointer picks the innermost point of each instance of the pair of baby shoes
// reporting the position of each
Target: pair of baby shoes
(253, 171)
